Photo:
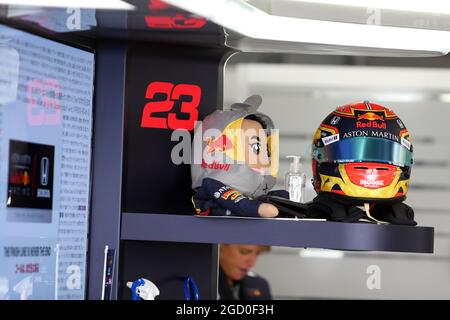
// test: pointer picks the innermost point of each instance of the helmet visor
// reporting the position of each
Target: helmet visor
(366, 149)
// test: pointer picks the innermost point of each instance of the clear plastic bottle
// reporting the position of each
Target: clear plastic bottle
(295, 180)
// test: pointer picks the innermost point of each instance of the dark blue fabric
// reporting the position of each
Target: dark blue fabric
(219, 198)
(250, 288)
(279, 193)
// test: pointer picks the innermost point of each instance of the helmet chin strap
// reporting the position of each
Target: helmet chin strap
(367, 210)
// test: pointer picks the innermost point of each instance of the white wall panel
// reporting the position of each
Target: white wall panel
(402, 277)
(298, 98)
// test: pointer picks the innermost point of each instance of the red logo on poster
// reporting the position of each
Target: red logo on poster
(171, 94)
(43, 102)
(178, 21)
(157, 5)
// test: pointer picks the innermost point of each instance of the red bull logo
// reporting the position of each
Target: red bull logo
(371, 116)
(372, 119)
(221, 143)
(216, 166)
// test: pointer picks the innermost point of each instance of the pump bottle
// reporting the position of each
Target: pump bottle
(295, 180)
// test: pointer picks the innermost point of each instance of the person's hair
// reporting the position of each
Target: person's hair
(257, 119)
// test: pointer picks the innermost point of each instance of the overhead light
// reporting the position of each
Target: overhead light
(247, 20)
(321, 253)
(428, 6)
(87, 4)
(444, 97)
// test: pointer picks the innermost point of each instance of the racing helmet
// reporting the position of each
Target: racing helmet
(362, 153)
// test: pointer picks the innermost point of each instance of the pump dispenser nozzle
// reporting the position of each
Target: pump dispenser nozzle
(295, 180)
(295, 164)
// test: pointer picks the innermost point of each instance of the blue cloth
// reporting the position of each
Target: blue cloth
(251, 287)
(218, 199)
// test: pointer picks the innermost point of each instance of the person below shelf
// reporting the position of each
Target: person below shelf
(236, 281)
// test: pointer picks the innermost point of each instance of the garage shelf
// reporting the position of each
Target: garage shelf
(277, 232)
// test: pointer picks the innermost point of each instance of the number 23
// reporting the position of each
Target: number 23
(172, 93)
